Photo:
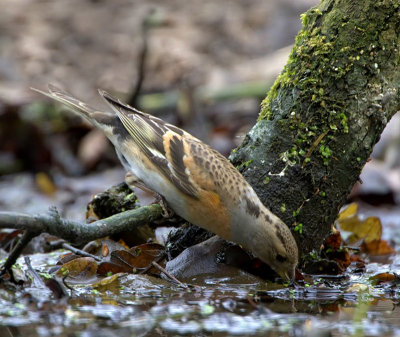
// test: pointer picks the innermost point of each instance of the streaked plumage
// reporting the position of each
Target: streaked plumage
(197, 182)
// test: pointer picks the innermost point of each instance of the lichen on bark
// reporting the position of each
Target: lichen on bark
(323, 115)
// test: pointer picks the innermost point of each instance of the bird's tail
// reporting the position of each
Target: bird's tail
(91, 114)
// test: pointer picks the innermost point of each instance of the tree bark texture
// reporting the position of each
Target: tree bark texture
(323, 115)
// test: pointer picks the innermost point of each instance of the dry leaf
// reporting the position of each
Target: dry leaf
(105, 250)
(91, 215)
(334, 240)
(100, 247)
(79, 269)
(368, 230)
(154, 249)
(383, 277)
(106, 268)
(342, 257)
(123, 244)
(124, 257)
(107, 281)
(349, 212)
(377, 247)
(45, 184)
(65, 258)
(139, 257)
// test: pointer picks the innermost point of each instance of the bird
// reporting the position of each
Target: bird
(197, 182)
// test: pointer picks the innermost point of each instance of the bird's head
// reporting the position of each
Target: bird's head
(276, 246)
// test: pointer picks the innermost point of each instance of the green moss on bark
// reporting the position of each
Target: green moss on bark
(324, 113)
(333, 53)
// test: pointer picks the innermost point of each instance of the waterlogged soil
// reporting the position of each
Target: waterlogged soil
(238, 304)
(359, 302)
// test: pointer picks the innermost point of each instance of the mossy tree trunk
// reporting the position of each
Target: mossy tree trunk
(325, 112)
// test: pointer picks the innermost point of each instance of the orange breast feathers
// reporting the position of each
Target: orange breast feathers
(207, 210)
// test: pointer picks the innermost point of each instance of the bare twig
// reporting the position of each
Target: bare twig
(62, 244)
(16, 252)
(166, 273)
(64, 282)
(80, 251)
(37, 279)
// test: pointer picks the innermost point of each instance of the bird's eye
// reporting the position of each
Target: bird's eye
(280, 258)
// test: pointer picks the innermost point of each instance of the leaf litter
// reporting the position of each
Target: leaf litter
(122, 280)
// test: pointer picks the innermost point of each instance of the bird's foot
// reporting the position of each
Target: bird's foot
(166, 211)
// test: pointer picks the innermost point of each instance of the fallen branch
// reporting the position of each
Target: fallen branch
(77, 232)
(73, 231)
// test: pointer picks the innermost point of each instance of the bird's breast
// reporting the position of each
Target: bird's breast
(209, 212)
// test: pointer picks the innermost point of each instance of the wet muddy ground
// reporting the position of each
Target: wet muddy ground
(234, 305)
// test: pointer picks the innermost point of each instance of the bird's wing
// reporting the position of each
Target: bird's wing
(162, 143)
(185, 161)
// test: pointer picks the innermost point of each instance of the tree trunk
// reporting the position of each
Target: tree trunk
(322, 117)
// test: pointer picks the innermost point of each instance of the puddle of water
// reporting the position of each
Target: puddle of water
(139, 305)
(235, 305)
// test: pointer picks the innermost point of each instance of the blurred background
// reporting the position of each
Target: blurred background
(202, 65)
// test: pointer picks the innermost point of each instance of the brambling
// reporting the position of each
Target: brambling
(197, 182)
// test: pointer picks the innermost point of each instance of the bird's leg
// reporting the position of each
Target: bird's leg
(133, 181)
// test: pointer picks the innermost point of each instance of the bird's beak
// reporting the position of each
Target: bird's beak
(287, 275)
(284, 275)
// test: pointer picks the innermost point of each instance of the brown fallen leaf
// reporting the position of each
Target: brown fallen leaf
(138, 258)
(102, 247)
(124, 257)
(123, 244)
(153, 249)
(342, 257)
(382, 277)
(107, 281)
(105, 250)
(111, 268)
(114, 259)
(7, 238)
(45, 184)
(65, 258)
(334, 240)
(82, 269)
(368, 230)
(348, 212)
(377, 247)
(356, 258)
